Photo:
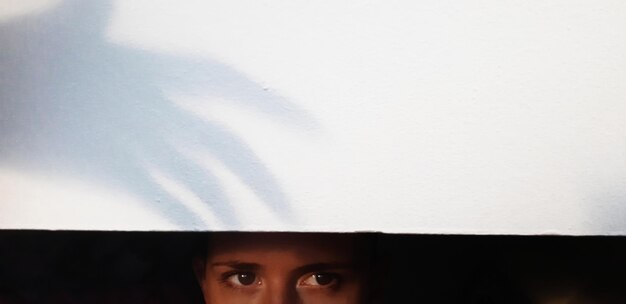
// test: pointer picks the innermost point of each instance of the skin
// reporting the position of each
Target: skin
(278, 268)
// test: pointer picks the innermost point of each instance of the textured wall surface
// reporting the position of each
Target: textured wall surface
(483, 116)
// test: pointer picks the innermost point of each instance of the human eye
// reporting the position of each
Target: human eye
(241, 279)
(320, 280)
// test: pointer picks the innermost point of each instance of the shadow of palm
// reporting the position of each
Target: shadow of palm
(73, 102)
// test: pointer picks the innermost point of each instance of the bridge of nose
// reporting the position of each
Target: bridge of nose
(280, 288)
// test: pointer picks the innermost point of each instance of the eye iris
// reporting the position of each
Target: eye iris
(246, 278)
(323, 278)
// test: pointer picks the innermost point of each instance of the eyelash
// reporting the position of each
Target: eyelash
(226, 277)
(334, 280)
(328, 280)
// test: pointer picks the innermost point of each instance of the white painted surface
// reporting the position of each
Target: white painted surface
(486, 116)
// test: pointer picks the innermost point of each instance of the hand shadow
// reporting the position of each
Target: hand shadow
(73, 102)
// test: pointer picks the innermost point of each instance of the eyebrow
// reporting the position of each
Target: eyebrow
(323, 267)
(237, 265)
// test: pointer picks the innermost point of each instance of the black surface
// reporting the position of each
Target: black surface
(155, 267)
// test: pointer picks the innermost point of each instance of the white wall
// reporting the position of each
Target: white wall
(475, 116)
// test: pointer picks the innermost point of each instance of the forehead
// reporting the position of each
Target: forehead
(300, 245)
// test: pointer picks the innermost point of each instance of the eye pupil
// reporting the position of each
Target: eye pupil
(324, 278)
(246, 278)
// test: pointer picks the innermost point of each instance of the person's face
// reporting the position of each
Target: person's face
(281, 268)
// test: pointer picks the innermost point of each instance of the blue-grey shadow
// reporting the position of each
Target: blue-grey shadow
(606, 211)
(72, 101)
